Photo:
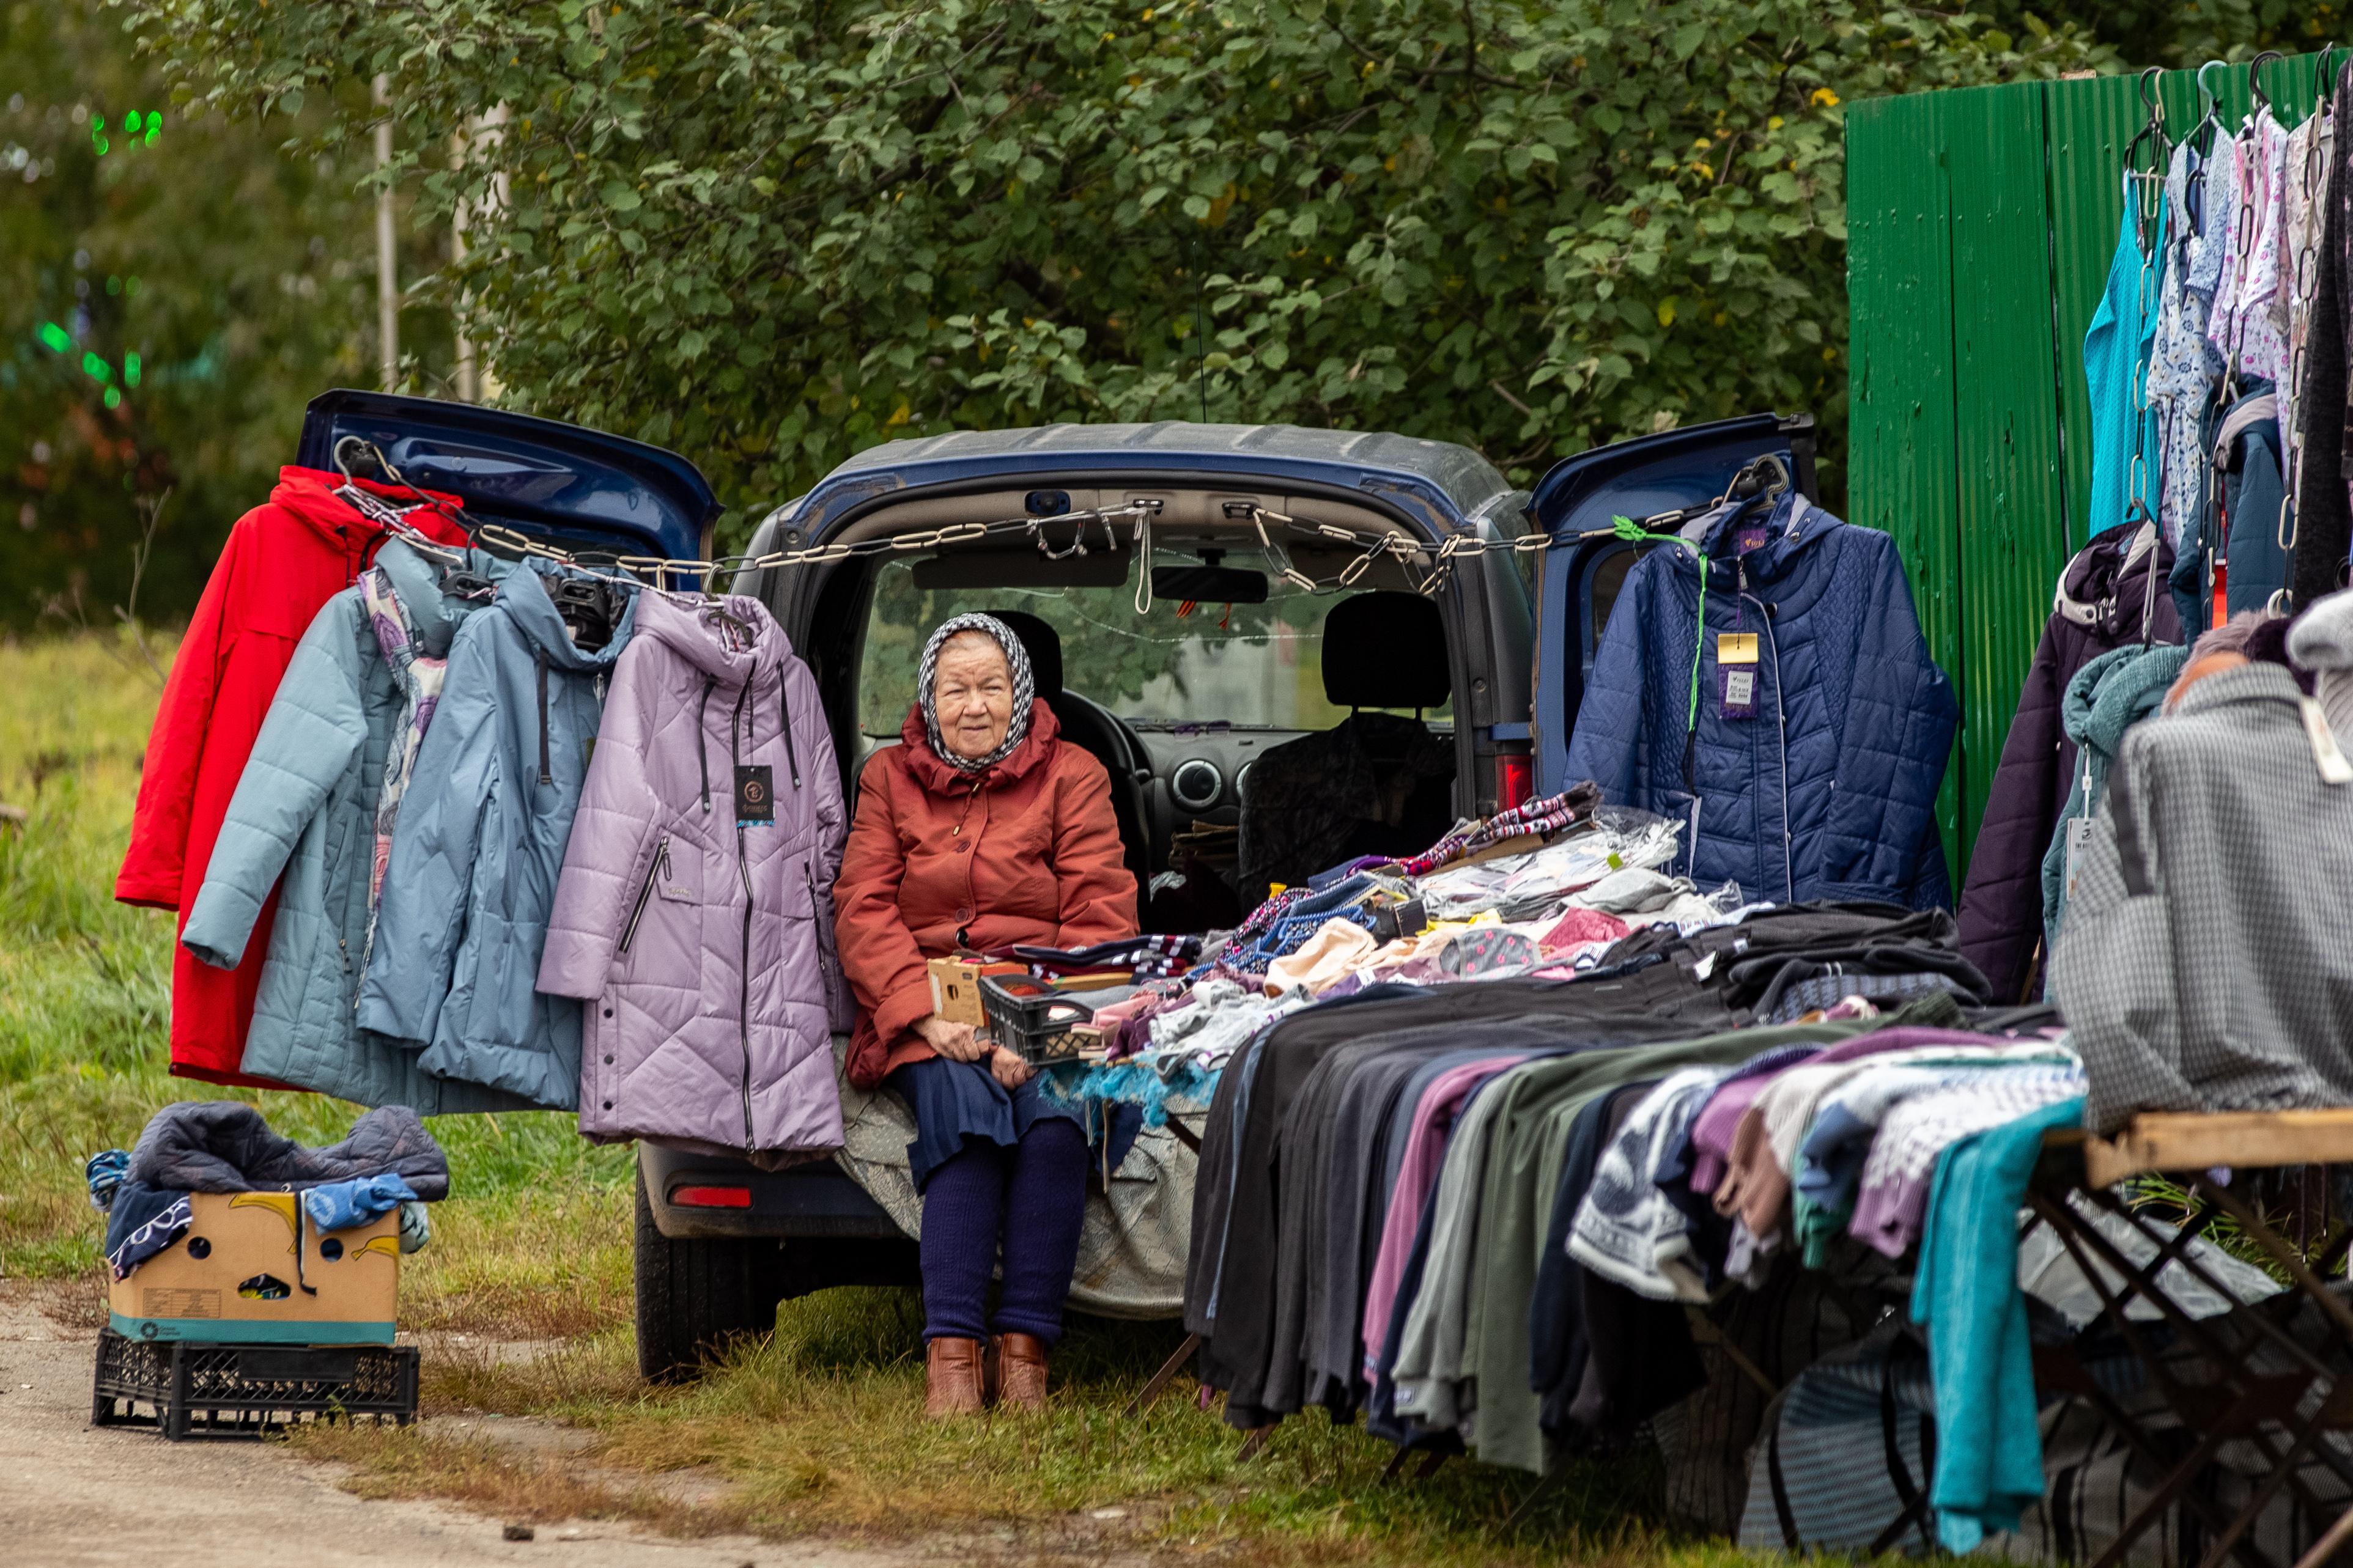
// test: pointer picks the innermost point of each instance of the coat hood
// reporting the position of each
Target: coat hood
(524, 596)
(2117, 691)
(2106, 585)
(939, 777)
(418, 583)
(309, 495)
(1793, 524)
(730, 639)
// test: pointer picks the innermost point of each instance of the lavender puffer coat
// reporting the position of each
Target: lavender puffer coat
(692, 914)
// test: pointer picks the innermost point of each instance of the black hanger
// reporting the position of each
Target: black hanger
(2262, 100)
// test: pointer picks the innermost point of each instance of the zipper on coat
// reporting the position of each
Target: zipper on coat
(737, 722)
(702, 740)
(824, 958)
(784, 717)
(660, 867)
(545, 776)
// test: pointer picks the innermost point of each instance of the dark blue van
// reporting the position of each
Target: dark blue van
(1178, 671)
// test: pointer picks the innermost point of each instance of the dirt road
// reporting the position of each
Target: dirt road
(71, 1494)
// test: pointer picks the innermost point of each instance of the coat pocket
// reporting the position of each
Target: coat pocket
(662, 876)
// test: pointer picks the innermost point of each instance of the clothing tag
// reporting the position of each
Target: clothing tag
(2079, 833)
(1735, 647)
(755, 797)
(587, 752)
(2334, 768)
(1747, 539)
(1738, 691)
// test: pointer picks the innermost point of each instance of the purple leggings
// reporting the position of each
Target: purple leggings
(1031, 1197)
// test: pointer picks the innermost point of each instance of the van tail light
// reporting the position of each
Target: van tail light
(712, 1197)
(1515, 780)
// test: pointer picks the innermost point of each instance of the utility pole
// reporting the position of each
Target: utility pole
(387, 281)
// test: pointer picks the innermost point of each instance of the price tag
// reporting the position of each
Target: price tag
(1738, 689)
(1735, 647)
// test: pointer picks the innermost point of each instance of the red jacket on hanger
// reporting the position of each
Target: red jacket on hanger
(282, 561)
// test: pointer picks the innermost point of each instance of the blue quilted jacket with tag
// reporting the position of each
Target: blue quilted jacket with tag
(1827, 788)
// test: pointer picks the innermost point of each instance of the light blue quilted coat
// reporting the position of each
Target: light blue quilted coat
(480, 845)
(306, 805)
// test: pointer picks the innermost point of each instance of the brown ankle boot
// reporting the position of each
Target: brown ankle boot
(952, 1379)
(1021, 1370)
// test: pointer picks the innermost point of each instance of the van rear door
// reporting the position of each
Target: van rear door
(1659, 479)
(579, 490)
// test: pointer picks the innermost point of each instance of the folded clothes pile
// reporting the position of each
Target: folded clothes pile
(388, 1162)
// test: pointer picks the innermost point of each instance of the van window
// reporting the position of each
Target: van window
(1251, 666)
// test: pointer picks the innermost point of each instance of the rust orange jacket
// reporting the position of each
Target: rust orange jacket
(1026, 851)
(282, 561)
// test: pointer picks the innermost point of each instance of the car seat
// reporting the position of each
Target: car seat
(1375, 783)
(1091, 728)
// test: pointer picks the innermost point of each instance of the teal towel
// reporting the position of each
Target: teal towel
(1988, 1448)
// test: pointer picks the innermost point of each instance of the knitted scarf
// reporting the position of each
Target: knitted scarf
(419, 679)
(927, 673)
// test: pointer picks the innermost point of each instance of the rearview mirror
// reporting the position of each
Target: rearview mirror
(1209, 584)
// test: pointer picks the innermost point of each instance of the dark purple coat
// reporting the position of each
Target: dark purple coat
(2098, 607)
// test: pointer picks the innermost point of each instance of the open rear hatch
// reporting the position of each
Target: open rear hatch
(576, 487)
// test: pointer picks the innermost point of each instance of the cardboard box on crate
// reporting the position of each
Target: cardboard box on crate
(254, 1269)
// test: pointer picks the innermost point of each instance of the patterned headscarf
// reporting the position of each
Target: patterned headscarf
(1017, 659)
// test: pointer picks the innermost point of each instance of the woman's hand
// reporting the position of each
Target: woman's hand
(1009, 1069)
(956, 1042)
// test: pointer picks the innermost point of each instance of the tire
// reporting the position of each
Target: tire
(697, 1297)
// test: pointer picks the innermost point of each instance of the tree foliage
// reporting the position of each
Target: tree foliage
(772, 232)
(241, 280)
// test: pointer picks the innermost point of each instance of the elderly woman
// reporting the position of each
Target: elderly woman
(983, 829)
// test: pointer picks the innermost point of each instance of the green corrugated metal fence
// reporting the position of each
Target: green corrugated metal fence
(1980, 225)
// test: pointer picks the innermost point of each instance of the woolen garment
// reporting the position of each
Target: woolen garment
(307, 806)
(2107, 697)
(2199, 969)
(2111, 596)
(1891, 1203)
(282, 560)
(1827, 789)
(1560, 1344)
(1027, 850)
(691, 913)
(1354, 1162)
(1027, 1200)
(462, 924)
(1535, 1108)
(1433, 1126)
(1625, 1229)
(1988, 1462)
(1765, 1143)
(1237, 1238)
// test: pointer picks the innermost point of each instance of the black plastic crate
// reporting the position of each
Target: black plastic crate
(196, 1389)
(1033, 1018)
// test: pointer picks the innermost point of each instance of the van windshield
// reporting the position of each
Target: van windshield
(1250, 666)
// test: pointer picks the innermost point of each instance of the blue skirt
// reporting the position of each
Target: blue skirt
(953, 1102)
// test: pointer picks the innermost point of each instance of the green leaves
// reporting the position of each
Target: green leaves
(1526, 228)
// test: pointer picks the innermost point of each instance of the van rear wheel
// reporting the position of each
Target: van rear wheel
(697, 1297)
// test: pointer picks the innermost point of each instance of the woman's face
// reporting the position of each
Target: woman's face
(973, 694)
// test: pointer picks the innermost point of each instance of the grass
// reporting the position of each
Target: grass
(814, 1430)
